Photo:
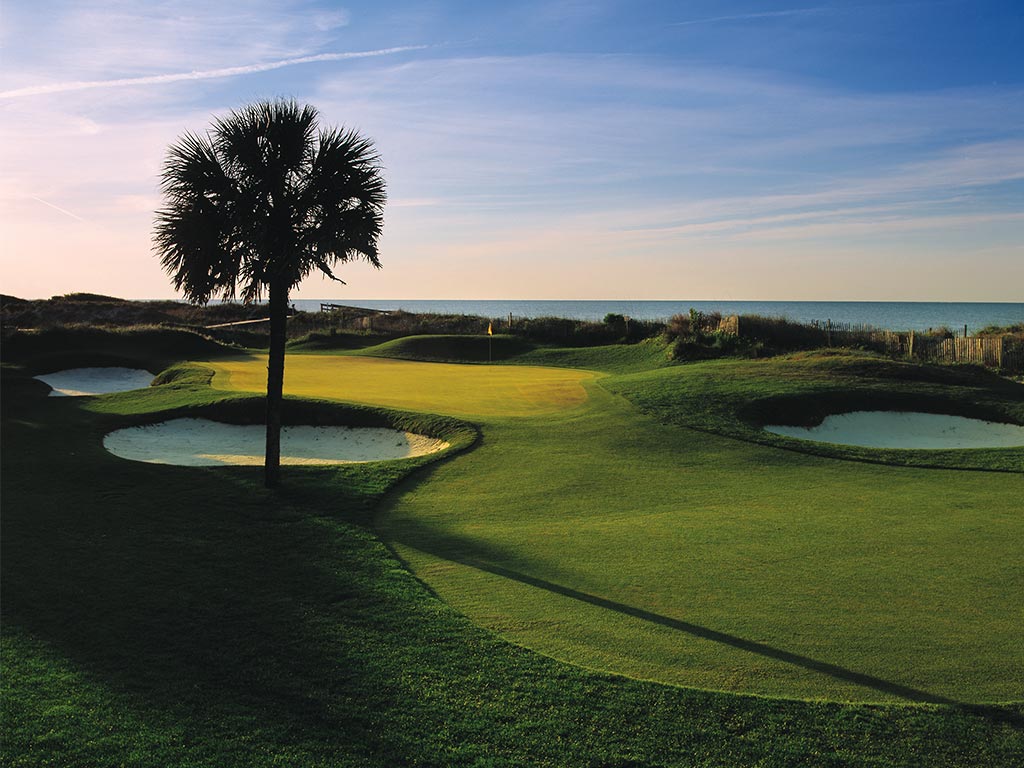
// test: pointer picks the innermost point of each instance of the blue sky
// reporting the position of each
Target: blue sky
(587, 150)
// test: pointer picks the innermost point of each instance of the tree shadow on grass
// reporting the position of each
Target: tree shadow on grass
(198, 595)
(482, 557)
(259, 627)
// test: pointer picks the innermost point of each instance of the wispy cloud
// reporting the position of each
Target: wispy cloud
(753, 16)
(209, 74)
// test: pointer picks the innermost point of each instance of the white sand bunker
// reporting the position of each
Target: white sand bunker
(205, 443)
(899, 429)
(96, 381)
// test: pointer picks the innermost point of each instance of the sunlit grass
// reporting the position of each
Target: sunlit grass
(457, 390)
(177, 616)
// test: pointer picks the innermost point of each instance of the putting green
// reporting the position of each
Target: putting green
(457, 390)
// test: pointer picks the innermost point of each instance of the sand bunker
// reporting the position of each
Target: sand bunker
(96, 381)
(898, 429)
(205, 443)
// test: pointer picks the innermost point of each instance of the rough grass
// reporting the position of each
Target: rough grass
(188, 617)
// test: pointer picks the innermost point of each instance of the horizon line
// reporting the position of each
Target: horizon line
(567, 300)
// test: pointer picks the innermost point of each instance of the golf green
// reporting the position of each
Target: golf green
(598, 535)
(457, 390)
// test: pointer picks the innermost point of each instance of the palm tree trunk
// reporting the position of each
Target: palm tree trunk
(275, 381)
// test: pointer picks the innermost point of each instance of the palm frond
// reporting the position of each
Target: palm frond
(266, 197)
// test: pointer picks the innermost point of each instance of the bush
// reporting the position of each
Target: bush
(678, 327)
(700, 335)
(781, 334)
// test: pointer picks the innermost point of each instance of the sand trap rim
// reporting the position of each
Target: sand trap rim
(95, 380)
(810, 411)
(805, 411)
(248, 410)
(907, 430)
(193, 442)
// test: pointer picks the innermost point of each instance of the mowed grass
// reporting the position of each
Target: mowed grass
(738, 397)
(457, 390)
(597, 535)
(188, 617)
(609, 539)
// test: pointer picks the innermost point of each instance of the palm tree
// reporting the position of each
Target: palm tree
(255, 205)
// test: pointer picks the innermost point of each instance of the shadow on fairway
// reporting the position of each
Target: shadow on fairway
(196, 596)
(180, 616)
(466, 553)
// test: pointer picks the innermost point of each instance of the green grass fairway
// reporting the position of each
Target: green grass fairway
(187, 616)
(458, 390)
(600, 536)
(608, 539)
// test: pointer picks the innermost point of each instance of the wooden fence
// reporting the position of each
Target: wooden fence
(991, 351)
(1005, 352)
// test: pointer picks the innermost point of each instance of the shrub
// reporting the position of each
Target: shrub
(678, 326)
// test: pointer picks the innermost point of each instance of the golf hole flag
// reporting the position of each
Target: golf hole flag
(490, 330)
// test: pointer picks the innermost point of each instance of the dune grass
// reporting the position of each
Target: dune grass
(184, 617)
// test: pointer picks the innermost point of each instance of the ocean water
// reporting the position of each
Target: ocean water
(894, 315)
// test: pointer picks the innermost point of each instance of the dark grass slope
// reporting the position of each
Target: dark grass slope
(738, 397)
(452, 349)
(78, 346)
(612, 358)
(177, 616)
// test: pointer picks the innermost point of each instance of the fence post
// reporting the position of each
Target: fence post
(910, 352)
(828, 331)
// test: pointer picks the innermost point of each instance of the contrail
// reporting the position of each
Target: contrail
(81, 85)
(745, 16)
(56, 208)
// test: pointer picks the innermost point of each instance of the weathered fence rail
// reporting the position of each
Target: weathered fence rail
(1005, 352)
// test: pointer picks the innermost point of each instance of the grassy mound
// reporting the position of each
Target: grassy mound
(452, 349)
(613, 358)
(334, 342)
(738, 397)
(149, 347)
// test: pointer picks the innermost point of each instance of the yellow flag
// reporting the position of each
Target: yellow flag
(490, 330)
